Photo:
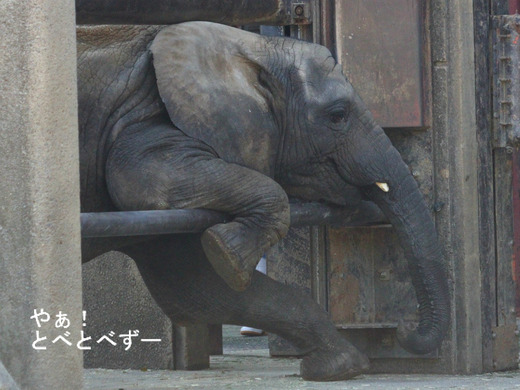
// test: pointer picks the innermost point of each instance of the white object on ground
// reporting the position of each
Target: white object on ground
(246, 330)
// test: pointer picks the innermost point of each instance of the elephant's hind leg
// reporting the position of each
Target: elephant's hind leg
(156, 166)
(187, 289)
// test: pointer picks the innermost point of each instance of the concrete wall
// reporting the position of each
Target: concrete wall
(116, 299)
(39, 193)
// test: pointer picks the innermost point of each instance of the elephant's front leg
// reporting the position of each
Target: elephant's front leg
(261, 211)
(161, 168)
(187, 289)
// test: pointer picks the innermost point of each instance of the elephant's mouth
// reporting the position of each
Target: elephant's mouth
(361, 181)
(324, 184)
(349, 196)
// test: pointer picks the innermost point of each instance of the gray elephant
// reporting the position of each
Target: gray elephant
(201, 115)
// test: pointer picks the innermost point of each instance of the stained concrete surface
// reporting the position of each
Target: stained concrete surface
(40, 256)
(246, 365)
(115, 298)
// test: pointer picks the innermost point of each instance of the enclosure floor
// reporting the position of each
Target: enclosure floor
(246, 365)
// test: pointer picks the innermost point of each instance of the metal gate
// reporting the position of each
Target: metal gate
(423, 68)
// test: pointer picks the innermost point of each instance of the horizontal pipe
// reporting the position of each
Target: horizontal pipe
(152, 222)
(231, 12)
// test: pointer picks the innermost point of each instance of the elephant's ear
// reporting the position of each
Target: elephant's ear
(216, 90)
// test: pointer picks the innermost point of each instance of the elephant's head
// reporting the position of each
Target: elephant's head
(284, 108)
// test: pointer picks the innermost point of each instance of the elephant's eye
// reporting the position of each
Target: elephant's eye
(337, 117)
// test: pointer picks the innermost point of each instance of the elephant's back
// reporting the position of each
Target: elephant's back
(115, 79)
(107, 35)
(114, 64)
(110, 60)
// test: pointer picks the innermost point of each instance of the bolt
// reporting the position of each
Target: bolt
(415, 173)
(493, 335)
(437, 206)
(387, 342)
(509, 150)
(385, 274)
(298, 10)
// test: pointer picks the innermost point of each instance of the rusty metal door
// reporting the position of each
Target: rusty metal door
(405, 69)
(356, 273)
(385, 54)
(381, 47)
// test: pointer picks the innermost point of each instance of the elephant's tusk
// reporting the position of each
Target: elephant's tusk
(384, 187)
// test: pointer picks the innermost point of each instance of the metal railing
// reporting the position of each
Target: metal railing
(152, 222)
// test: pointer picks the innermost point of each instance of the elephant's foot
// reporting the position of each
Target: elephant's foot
(233, 252)
(321, 365)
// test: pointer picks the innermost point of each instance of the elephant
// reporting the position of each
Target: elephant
(203, 115)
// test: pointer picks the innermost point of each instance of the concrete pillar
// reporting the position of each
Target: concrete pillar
(39, 194)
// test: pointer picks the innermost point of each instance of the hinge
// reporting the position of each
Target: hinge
(505, 347)
(506, 81)
(301, 12)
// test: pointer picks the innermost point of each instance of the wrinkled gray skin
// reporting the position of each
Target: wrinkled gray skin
(232, 121)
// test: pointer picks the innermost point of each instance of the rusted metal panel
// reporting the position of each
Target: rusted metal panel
(351, 276)
(385, 54)
(370, 290)
(368, 279)
(505, 347)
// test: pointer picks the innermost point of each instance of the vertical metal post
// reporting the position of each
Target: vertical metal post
(456, 174)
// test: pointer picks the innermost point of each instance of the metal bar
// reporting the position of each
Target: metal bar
(152, 222)
(371, 325)
(232, 12)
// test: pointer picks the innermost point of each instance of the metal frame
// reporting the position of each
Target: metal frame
(232, 12)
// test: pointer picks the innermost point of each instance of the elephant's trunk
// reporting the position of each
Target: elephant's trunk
(404, 206)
